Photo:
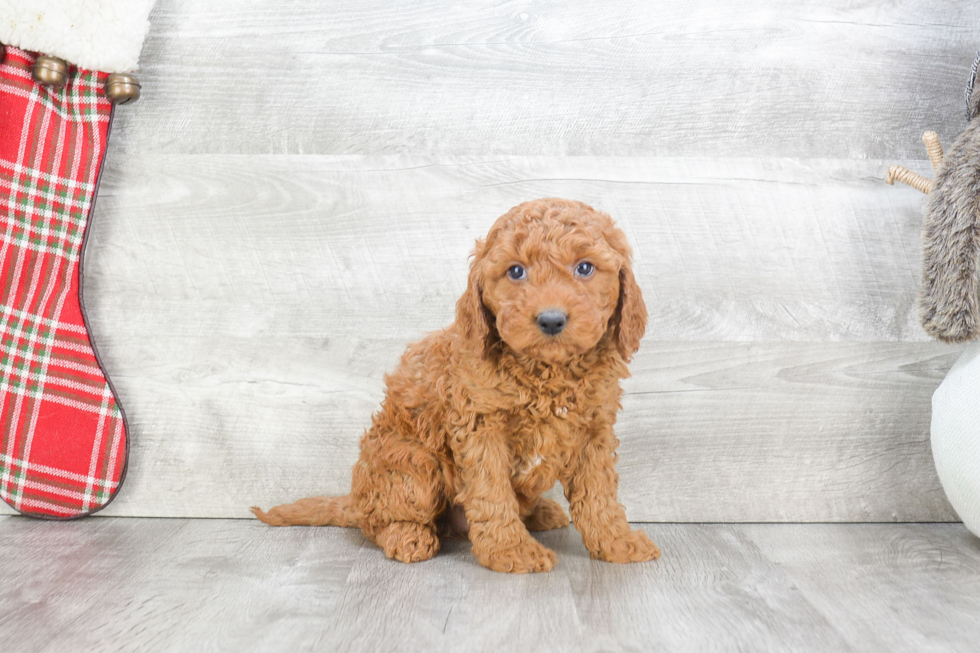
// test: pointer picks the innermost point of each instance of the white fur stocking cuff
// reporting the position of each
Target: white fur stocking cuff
(102, 35)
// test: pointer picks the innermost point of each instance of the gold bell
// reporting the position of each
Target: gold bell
(122, 88)
(50, 71)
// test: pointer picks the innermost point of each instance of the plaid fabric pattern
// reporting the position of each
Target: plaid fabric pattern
(62, 434)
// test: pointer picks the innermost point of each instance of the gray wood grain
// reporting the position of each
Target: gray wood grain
(709, 431)
(248, 306)
(168, 585)
(452, 603)
(294, 199)
(781, 432)
(235, 585)
(861, 578)
(671, 78)
(725, 249)
(711, 590)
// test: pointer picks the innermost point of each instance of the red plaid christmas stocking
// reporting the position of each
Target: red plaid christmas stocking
(63, 443)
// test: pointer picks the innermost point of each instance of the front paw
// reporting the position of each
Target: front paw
(635, 546)
(524, 557)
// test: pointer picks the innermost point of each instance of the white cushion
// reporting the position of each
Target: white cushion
(956, 436)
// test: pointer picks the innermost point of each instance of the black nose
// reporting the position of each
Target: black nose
(552, 322)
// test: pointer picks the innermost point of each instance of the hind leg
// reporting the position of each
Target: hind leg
(545, 516)
(408, 541)
(399, 490)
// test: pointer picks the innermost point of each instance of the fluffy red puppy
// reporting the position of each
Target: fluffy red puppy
(522, 390)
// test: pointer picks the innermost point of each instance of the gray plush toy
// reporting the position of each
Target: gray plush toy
(949, 305)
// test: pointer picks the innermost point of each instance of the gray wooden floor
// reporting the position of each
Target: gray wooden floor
(123, 584)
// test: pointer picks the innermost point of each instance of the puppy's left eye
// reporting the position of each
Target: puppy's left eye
(516, 272)
(584, 269)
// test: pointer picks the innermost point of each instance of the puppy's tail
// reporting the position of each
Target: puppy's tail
(315, 511)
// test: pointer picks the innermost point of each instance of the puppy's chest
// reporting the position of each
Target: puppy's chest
(548, 434)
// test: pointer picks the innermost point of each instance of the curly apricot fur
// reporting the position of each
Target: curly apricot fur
(489, 413)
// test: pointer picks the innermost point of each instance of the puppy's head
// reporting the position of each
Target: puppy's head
(549, 281)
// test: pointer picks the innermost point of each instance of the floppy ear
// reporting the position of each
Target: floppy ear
(948, 300)
(630, 318)
(475, 321)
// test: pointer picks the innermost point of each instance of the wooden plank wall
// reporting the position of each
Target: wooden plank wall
(294, 199)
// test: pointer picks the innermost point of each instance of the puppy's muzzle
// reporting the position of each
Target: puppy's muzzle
(552, 322)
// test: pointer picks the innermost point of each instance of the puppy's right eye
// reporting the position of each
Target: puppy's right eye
(516, 272)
